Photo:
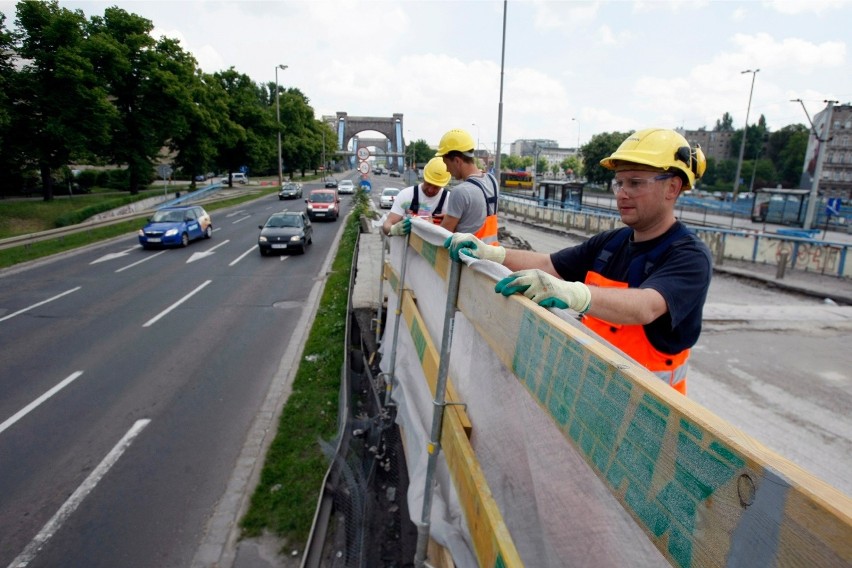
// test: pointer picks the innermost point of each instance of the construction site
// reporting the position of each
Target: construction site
(489, 431)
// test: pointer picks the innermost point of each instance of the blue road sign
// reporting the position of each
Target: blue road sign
(833, 207)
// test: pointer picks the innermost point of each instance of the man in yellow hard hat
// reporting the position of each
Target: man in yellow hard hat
(472, 206)
(426, 199)
(641, 287)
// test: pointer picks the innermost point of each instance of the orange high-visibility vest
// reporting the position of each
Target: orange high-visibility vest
(487, 233)
(632, 340)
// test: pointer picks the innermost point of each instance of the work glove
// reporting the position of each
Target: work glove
(546, 290)
(401, 228)
(470, 246)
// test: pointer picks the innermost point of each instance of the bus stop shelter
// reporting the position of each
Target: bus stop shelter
(564, 194)
(780, 206)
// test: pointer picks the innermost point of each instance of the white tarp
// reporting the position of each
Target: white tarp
(556, 509)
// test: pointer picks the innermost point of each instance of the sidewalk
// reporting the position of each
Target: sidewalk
(813, 284)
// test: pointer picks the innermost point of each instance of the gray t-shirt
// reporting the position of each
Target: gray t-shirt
(468, 204)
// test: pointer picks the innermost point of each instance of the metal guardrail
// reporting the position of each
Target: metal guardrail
(201, 195)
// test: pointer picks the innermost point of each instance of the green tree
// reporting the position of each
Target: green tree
(194, 144)
(759, 173)
(300, 139)
(725, 124)
(8, 161)
(571, 163)
(786, 148)
(247, 132)
(599, 147)
(755, 139)
(422, 152)
(147, 82)
(60, 105)
(512, 162)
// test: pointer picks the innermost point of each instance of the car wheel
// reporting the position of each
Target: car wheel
(262, 251)
(310, 240)
(208, 232)
(302, 249)
(184, 240)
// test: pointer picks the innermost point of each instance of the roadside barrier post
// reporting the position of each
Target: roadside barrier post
(439, 403)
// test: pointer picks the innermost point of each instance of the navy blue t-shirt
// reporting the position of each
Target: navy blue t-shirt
(681, 275)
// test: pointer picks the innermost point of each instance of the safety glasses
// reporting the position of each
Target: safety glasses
(636, 186)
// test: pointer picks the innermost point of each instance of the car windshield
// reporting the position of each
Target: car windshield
(284, 221)
(167, 217)
(346, 182)
(322, 197)
(290, 186)
(390, 192)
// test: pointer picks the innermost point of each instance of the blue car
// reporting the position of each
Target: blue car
(176, 226)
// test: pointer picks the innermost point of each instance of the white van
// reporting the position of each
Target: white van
(238, 177)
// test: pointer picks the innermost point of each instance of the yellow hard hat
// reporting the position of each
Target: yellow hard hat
(659, 148)
(456, 140)
(436, 172)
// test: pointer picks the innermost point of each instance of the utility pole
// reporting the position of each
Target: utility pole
(822, 142)
(500, 106)
(278, 123)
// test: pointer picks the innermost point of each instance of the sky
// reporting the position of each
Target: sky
(571, 69)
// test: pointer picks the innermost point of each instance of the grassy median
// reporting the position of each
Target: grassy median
(286, 496)
(24, 217)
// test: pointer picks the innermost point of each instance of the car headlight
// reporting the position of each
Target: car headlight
(296, 238)
(171, 232)
(141, 233)
(310, 207)
(261, 239)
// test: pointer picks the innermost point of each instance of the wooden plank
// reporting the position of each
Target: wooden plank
(704, 492)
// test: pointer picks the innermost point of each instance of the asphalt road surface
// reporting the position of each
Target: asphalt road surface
(130, 380)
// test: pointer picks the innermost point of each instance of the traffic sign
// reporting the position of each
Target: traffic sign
(164, 170)
(833, 207)
(363, 153)
(364, 167)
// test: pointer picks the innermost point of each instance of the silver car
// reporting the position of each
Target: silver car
(388, 195)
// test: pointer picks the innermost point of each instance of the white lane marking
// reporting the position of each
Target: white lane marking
(204, 254)
(242, 256)
(68, 508)
(19, 312)
(146, 259)
(156, 318)
(31, 406)
(112, 255)
(240, 220)
(235, 213)
(283, 258)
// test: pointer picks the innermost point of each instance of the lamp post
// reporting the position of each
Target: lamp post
(578, 134)
(278, 122)
(743, 141)
(477, 138)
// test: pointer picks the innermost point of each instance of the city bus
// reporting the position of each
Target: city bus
(519, 180)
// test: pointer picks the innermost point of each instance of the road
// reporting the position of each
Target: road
(772, 364)
(131, 380)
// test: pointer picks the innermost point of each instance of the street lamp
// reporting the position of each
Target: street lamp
(477, 137)
(743, 141)
(278, 122)
(578, 135)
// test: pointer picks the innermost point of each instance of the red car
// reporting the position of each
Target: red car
(323, 204)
